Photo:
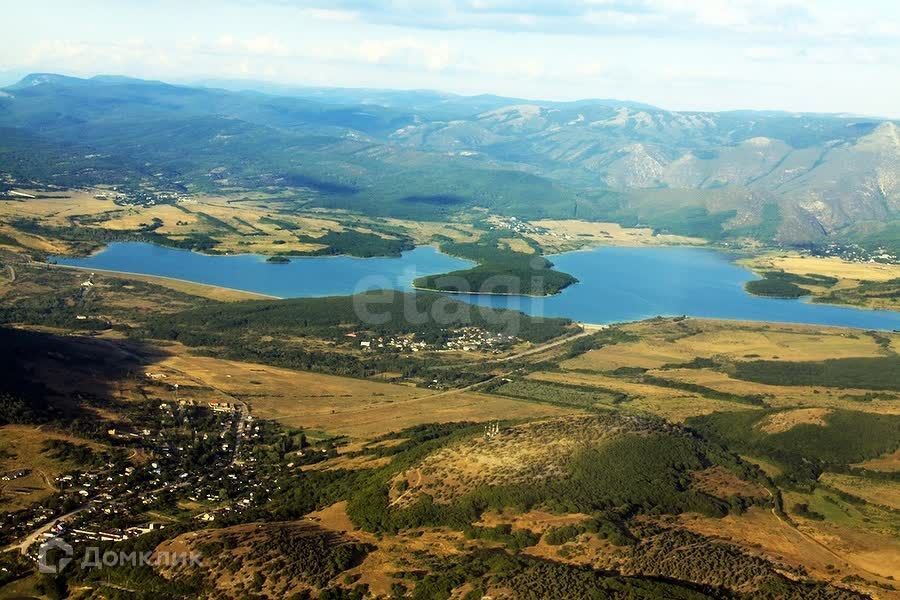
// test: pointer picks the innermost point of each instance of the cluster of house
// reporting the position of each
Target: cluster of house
(17, 474)
(475, 338)
(855, 253)
(139, 197)
(15, 523)
(516, 225)
(81, 534)
(118, 492)
(466, 339)
(100, 485)
(402, 343)
(221, 407)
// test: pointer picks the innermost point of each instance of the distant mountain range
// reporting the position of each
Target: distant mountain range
(785, 177)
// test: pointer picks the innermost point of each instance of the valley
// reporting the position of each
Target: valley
(85, 221)
(684, 425)
(764, 176)
(352, 344)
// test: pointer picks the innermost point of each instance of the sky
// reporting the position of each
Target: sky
(806, 56)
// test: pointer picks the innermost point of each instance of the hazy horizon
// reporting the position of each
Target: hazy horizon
(703, 56)
(269, 87)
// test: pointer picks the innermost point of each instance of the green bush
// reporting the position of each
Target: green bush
(872, 373)
(775, 288)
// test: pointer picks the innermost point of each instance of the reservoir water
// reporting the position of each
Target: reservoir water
(615, 283)
(304, 276)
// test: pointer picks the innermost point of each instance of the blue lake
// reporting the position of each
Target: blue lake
(615, 284)
(304, 276)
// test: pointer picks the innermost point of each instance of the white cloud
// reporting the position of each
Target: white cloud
(592, 69)
(263, 45)
(674, 53)
(326, 14)
(766, 53)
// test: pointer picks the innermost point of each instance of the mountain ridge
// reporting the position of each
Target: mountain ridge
(778, 176)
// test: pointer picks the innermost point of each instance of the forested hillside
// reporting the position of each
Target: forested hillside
(771, 176)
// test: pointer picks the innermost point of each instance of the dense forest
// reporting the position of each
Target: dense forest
(245, 331)
(806, 450)
(875, 373)
(383, 312)
(778, 284)
(499, 271)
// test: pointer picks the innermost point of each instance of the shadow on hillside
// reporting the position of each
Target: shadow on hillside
(66, 379)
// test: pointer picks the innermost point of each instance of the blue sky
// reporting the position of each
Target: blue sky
(814, 55)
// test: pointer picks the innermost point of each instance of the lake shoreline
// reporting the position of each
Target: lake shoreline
(615, 284)
(146, 276)
(459, 293)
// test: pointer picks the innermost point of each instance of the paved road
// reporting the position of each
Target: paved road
(243, 410)
(35, 535)
(529, 352)
(244, 413)
(543, 347)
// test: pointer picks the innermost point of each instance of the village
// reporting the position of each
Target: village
(140, 197)
(465, 339)
(187, 460)
(854, 253)
(517, 226)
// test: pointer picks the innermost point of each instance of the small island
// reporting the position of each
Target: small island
(779, 284)
(504, 280)
(278, 260)
(501, 270)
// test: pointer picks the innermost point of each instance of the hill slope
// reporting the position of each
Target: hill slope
(774, 176)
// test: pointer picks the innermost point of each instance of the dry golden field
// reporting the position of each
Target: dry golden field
(788, 396)
(58, 208)
(244, 223)
(664, 342)
(20, 448)
(572, 234)
(850, 275)
(516, 245)
(882, 493)
(358, 408)
(34, 242)
(190, 288)
(855, 539)
(528, 452)
(788, 419)
(871, 556)
(538, 521)
(830, 266)
(674, 405)
(425, 232)
(887, 463)
(240, 225)
(720, 482)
